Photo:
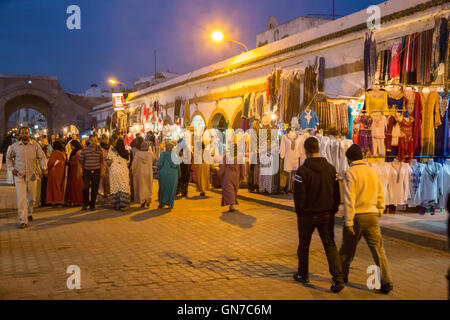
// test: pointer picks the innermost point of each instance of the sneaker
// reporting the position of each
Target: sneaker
(30, 218)
(336, 287)
(301, 279)
(23, 226)
(386, 288)
(144, 204)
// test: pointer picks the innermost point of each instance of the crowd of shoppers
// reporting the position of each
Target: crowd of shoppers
(124, 174)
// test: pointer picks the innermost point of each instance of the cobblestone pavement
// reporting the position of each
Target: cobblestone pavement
(195, 251)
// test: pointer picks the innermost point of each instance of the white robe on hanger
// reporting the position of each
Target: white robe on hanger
(432, 183)
(415, 194)
(291, 154)
(445, 183)
(398, 183)
(383, 169)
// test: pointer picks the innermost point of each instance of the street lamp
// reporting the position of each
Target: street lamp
(115, 81)
(218, 36)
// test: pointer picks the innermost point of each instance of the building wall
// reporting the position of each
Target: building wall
(288, 29)
(343, 61)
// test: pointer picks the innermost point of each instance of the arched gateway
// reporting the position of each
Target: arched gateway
(45, 95)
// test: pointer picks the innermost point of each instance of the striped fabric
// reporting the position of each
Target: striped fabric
(91, 159)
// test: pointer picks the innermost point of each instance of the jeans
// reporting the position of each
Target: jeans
(367, 226)
(324, 224)
(91, 180)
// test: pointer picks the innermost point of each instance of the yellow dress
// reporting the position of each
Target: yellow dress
(202, 172)
(430, 120)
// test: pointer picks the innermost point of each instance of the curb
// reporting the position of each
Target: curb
(422, 240)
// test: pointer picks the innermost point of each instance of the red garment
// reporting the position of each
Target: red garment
(392, 121)
(417, 127)
(56, 177)
(406, 142)
(395, 60)
(74, 188)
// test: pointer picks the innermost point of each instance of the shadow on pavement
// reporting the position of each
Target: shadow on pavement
(239, 219)
(149, 214)
(77, 217)
(198, 197)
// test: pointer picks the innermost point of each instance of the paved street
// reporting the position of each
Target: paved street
(195, 251)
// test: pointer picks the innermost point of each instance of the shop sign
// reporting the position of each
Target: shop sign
(118, 101)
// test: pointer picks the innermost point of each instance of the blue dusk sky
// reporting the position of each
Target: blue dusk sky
(117, 37)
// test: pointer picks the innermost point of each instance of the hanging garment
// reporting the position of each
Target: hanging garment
(430, 120)
(308, 119)
(406, 142)
(439, 46)
(432, 183)
(395, 60)
(442, 147)
(376, 101)
(291, 149)
(445, 183)
(392, 132)
(324, 143)
(383, 169)
(378, 136)
(344, 144)
(397, 102)
(415, 194)
(370, 59)
(398, 183)
(365, 134)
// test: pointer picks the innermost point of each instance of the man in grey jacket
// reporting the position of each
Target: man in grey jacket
(22, 159)
(363, 203)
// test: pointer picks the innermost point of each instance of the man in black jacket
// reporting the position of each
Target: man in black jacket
(316, 198)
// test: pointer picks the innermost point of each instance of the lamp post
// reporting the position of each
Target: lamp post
(218, 36)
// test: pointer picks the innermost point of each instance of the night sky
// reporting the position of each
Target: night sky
(117, 37)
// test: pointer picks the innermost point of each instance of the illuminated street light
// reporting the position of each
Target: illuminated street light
(218, 36)
(115, 81)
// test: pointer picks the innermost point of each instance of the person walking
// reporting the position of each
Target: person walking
(230, 175)
(142, 170)
(169, 172)
(202, 174)
(363, 204)
(91, 160)
(21, 161)
(185, 169)
(316, 198)
(104, 171)
(74, 187)
(119, 176)
(56, 175)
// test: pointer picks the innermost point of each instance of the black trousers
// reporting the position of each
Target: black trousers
(324, 223)
(91, 180)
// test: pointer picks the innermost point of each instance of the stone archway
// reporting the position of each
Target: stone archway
(218, 120)
(237, 118)
(44, 94)
(30, 101)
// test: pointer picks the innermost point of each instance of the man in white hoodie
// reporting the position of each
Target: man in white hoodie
(363, 203)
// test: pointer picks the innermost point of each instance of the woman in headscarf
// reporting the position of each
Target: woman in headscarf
(119, 176)
(104, 171)
(74, 187)
(169, 172)
(142, 170)
(56, 174)
(230, 175)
